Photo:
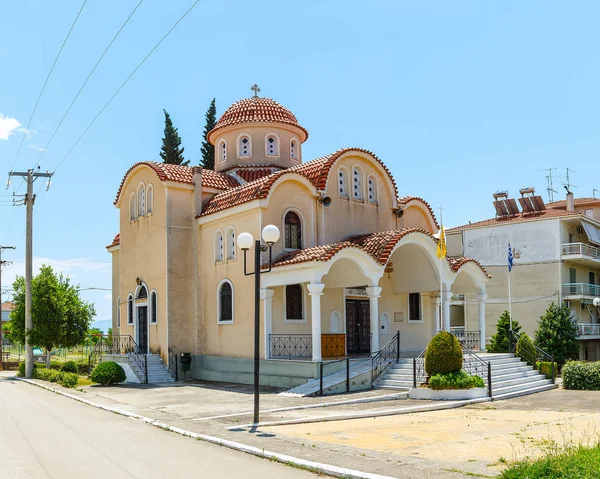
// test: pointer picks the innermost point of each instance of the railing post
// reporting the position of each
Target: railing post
(176, 368)
(146, 367)
(489, 371)
(553, 373)
(347, 375)
(414, 372)
(398, 347)
(321, 378)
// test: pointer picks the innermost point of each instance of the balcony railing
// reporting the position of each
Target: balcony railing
(589, 329)
(581, 249)
(581, 289)
(470, 339)
(299, 346)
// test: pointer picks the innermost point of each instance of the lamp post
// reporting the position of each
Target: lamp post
(270, 235)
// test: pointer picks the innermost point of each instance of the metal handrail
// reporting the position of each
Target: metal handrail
(475, 366)
(123, 345)
(582, 249)
(173, 364)
(322, 365)
(513, 338)
(419, 372)
(588, 329)
(466, 338)
(581, 289)
(385, 356)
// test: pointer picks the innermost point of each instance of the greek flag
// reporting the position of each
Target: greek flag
(510, 258)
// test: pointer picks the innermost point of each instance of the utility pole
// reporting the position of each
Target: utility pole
(2, 263)
(29, 200)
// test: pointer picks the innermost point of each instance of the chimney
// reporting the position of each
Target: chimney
(197, 190)
(570, 201)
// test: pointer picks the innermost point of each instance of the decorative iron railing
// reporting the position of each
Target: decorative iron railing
(383, 358)
(121, 345)
(529, 357)
(468, 339)
(475, 366)
(581, 249)
(291, 346)
(588, 329)
(419, 373)
(581, 289)
(173, 368)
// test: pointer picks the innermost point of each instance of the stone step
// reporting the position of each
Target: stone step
(516, 381)
(507, 375)
(523, 392)
(519, 387)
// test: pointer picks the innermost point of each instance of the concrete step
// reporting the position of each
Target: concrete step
(519, 387)
(516, 381)
(523, 392)
(507, 375)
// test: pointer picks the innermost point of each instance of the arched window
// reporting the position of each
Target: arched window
(272, 145)
(141, 200)
(222, 151)
(130, 309)
(294, 308)
(293, 149)
(142, 293)
(293, 231)
(343, 182)
(230, 243)
(245, 146)
(149, 199)
(219, 246)
(384, 323)
(335, 323)
(357, 184)
(132, 207)
(372, 189)
(225, 302)
(119, 312)
(153, 310)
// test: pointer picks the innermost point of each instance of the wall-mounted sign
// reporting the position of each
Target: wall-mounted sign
(398, 317)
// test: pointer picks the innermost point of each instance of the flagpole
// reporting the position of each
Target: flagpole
(441, 325)
(509, 297)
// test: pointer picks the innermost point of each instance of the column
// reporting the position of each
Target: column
(446, 297)
(481, 298)
(267, 298)
(315, 290)
(435, 307)
(374, 293)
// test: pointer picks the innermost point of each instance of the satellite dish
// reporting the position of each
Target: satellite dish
(326, 200)
(596, 302)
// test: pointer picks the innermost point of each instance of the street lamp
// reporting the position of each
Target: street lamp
(270, 235)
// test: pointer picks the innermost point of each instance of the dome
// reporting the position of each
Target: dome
(256, 110)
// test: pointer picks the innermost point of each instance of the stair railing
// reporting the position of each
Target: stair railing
(530, 358)
(475, 366)
(120, 345)
(419, 373)
(173, 364)
(383, 358)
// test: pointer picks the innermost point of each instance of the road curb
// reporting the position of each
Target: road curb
(328, 469)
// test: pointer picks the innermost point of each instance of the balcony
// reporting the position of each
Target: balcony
(581, 252)
(580, 291)
(588, 331)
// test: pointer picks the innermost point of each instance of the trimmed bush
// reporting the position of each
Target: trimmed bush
(108, 373)
(36, 366)
(456, 380)
(444, 354)
(545, 367)
(69, 380)
(526, 349)
(581, 375)
(55, 365)
(69, 367)
(46, 374)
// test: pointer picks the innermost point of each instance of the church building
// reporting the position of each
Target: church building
(355, 263)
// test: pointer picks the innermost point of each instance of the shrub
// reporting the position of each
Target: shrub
(69, 367)
(499, 341)
(47, 374)
(83, 368)
(557, 333)
(581, 375)
(545, 367)
(444, 354)
(69, 380)
(55, 365)
(108, 373)
(36, 366)
(456, 380)
(526, 350)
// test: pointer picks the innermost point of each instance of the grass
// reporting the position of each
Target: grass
(84, 381)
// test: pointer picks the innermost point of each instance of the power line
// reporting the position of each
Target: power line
(125, 82)
(86, 81)
(45, 83)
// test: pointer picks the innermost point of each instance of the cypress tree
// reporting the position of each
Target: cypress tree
(171, 151)
(557, 333)
(499, 342)
(208, 150)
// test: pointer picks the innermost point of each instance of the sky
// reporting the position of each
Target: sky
(460, 99)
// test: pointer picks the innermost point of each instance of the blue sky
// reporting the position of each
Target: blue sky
(460, 99)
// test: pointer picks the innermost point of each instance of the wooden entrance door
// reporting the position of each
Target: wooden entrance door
(142, 329)
(358, 326)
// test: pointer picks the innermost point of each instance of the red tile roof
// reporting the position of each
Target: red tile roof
(116, 241)
(407, 199)
(184, 174)
(377, 245)
(251, 174)
(316, 171)
(256, 110)
(521, 217)
(578, 202)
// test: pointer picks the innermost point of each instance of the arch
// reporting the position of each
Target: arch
(372, 189)
(294, 304)
(219, 246)
(132, 207)
(335, 323)
(293, 234)
(294, 153)
(141, 193)
(119, 312)
(153, 307)
(342, 185)
(384, 323)
(244, 145)
(230, 240)
(469, 278)
(357, 183)
(272, 144)
(149, 199)
(225, 302)
(130, 309)
(222, 151)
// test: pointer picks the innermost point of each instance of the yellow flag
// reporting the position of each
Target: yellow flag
(441, 248)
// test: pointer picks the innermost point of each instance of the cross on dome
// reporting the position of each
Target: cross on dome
(255, 89)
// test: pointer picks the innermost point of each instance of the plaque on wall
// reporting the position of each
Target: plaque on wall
(359, 291)
(398, 317)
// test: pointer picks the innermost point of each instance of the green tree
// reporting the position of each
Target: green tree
(95, 334)
(499, 341)
(208, 149)
(557, 333)
(171, 151)
(59, 316)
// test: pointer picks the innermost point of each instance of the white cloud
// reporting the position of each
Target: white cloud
(8, 126)
(35, 147)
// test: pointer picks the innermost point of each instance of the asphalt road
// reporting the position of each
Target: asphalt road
(44, 435)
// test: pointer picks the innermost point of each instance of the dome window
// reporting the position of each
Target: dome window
(343, 183)
(293, 149)
(372, 186)
(272, 145)
(222, 151)
(245, 146)
(357, 184)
